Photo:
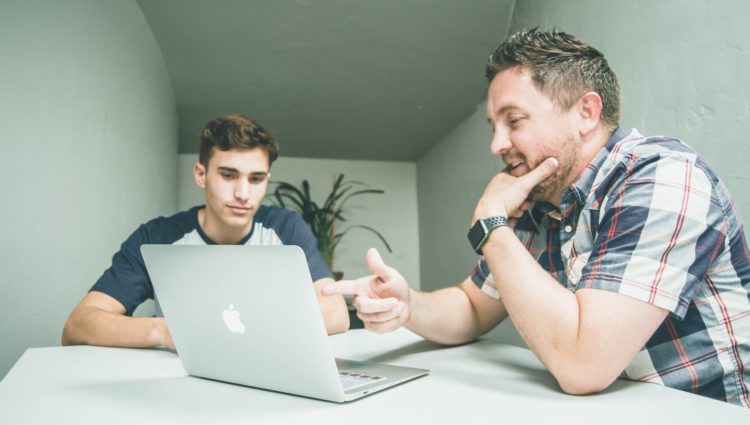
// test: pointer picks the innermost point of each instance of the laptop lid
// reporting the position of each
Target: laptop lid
(249, 315)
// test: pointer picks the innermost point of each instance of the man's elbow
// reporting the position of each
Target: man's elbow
(74, 330)
(68, 334)
(583, 382)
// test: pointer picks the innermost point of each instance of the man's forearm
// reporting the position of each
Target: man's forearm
(585, 338)
(546, 314)
(445, 316)
(95, 326)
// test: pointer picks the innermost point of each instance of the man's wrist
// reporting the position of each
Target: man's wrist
(410, 304)
(483, 228)
(496, 238)
(157, 333)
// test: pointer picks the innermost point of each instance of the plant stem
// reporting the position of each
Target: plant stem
(332, 237)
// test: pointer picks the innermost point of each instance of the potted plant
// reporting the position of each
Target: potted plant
(322, 219)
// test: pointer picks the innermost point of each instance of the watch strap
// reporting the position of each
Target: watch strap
(494, 221)
(481, 229)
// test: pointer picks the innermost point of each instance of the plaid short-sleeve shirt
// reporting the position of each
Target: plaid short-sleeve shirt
(648, 218)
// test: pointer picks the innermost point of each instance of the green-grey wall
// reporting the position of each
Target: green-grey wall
(89, 151)
(684, 70)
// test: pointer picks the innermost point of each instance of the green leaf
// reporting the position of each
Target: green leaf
(339, 236)
(322, 219)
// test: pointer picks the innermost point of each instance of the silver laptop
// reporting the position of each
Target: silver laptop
(249, 315)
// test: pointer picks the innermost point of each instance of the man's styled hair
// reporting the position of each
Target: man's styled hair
(562, 67)
(235, 132)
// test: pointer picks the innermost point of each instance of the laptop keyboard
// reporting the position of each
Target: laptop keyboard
(351, 380)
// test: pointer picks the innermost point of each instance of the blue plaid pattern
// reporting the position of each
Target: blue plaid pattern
(649, 219)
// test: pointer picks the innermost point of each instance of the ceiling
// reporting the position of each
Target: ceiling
(348, 79)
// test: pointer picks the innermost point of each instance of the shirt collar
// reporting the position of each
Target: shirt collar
(577, 192)
(531, 220)
(580, 188)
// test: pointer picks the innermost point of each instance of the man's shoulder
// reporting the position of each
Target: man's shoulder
(635, 147)
(271, 215)
(644, 162)
(634, 153)
(168, 229)
(287, 224)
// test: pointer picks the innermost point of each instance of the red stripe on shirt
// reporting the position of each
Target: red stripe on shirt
(687, 363)
(613, 225)
(727, 321)
(678, 228)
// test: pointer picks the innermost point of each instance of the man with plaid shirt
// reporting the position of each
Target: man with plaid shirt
(613, 253)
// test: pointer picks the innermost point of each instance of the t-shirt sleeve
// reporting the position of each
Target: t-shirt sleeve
(126, 280)
(301, 235)
(658, 231)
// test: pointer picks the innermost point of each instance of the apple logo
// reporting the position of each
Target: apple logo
(232, 320)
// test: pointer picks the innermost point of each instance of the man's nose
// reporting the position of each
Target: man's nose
(242, 190)
(500, 143)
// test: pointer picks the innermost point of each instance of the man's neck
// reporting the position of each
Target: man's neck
(591, 145)
(218, 233)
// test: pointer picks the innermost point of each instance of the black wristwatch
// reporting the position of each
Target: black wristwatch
(482, 228)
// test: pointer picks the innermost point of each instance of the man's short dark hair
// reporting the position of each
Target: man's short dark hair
(235, 132)
(562, 67)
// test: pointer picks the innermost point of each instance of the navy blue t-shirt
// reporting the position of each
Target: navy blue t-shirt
(127, 281)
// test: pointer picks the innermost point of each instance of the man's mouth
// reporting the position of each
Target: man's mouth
(239, 210)
(514, 166)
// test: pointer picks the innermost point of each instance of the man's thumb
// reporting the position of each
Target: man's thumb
(376, 264)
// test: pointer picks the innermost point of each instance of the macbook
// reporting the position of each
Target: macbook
(249, 315)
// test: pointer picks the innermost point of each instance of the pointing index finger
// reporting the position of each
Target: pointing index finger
(344, 287)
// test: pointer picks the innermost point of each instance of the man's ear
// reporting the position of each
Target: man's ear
(199, 173)
(589, 111)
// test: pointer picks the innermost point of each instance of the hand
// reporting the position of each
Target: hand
(507, 196)
(168, 342)
(515, 215)
(161, 334)
(381, 299)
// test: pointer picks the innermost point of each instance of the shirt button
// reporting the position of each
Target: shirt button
(568, 228)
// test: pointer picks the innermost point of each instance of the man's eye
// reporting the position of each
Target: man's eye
(227, 175)
(514, 122)
(257, 179)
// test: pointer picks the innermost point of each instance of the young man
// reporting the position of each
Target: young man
(613, 253)
(235, 158)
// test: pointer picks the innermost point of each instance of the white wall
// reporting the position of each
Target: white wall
(684, 68)
(393, 214)
(89, 151)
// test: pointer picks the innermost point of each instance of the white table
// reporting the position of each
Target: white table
(483, 382)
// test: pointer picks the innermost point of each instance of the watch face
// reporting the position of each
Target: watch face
(476, 235)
